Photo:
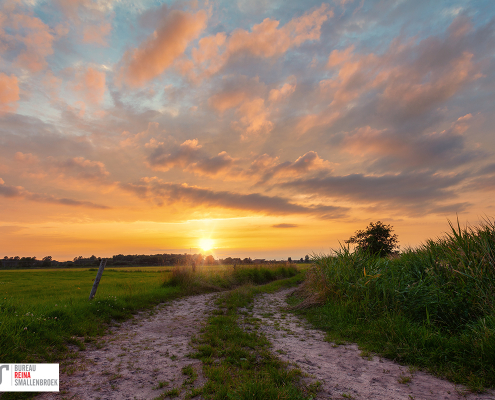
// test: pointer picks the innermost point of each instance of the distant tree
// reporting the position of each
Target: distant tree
(376, 239)
(306, 259)
(289, 259)
(209, 260)
(47, 262)
(301, 260)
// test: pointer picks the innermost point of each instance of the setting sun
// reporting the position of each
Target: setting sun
(206, 244)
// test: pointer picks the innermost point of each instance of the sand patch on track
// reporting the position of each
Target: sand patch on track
(343, 372)
(131, 362)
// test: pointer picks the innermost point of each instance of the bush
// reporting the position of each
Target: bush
(376, 239)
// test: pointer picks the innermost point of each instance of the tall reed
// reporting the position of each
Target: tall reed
(444, 288)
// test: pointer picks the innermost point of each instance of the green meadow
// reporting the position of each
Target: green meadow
(41, 311)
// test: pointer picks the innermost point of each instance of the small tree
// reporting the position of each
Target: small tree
(376, 239)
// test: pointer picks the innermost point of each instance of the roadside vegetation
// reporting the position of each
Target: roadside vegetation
(194, 280)
(432, 307)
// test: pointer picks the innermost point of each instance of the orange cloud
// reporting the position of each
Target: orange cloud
(162, 48)
(96, 33)
(19, 192)
(91, 84)
(26, 158)
(228, 99)
(254, 118)
(9, 93)
(266, 39)
(285, 91)
(37, 39)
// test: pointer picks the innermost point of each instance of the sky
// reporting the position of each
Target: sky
(274, 128)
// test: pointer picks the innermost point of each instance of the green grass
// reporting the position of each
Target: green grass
(432, 307)
(43, 310)
(237, 362)
(203, 278)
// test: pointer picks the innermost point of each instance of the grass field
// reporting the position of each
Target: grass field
(41, 311)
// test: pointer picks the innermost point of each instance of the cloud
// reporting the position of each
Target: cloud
(265, 39)
(79, 168)
(285, 91)
(408, 80)
(253, 119)
(391, 150)
(180, 156)
(37, 39)
(224, 100)
(159, 51)
(20, 192)
(9, 93)
(413, 193)
(192, 196)
(96, 34)
(285, 226)
(26, 159)
(212, 166)
(268, 168)
(190, 157)
(91, 84)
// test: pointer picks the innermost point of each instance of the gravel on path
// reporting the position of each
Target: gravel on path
(344, 371)
(142, 358)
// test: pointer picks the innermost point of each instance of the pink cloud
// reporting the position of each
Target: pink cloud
(26, 159)
(96, 33)
(253, 118)
(266, 39)
(162, 48)
(285, 91)
(37, 39)
(91, 84)
(227, 99)
(409, 78)
(9, 93)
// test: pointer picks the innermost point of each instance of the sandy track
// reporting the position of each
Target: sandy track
(142, 352)
(341, 369)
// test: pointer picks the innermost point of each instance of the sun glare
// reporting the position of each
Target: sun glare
(206, 244)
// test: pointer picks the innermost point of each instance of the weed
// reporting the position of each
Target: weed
(190, 373)
(169, 393)
(404, 379)
(367, 355)
(161, 385)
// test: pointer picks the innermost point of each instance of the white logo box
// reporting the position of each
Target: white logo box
(29, 377)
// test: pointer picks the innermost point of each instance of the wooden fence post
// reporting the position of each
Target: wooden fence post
(98, 277)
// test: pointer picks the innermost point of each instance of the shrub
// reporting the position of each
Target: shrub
(376, 239)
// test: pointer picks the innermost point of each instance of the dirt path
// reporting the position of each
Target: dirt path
(131, 362)
(341, 370)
